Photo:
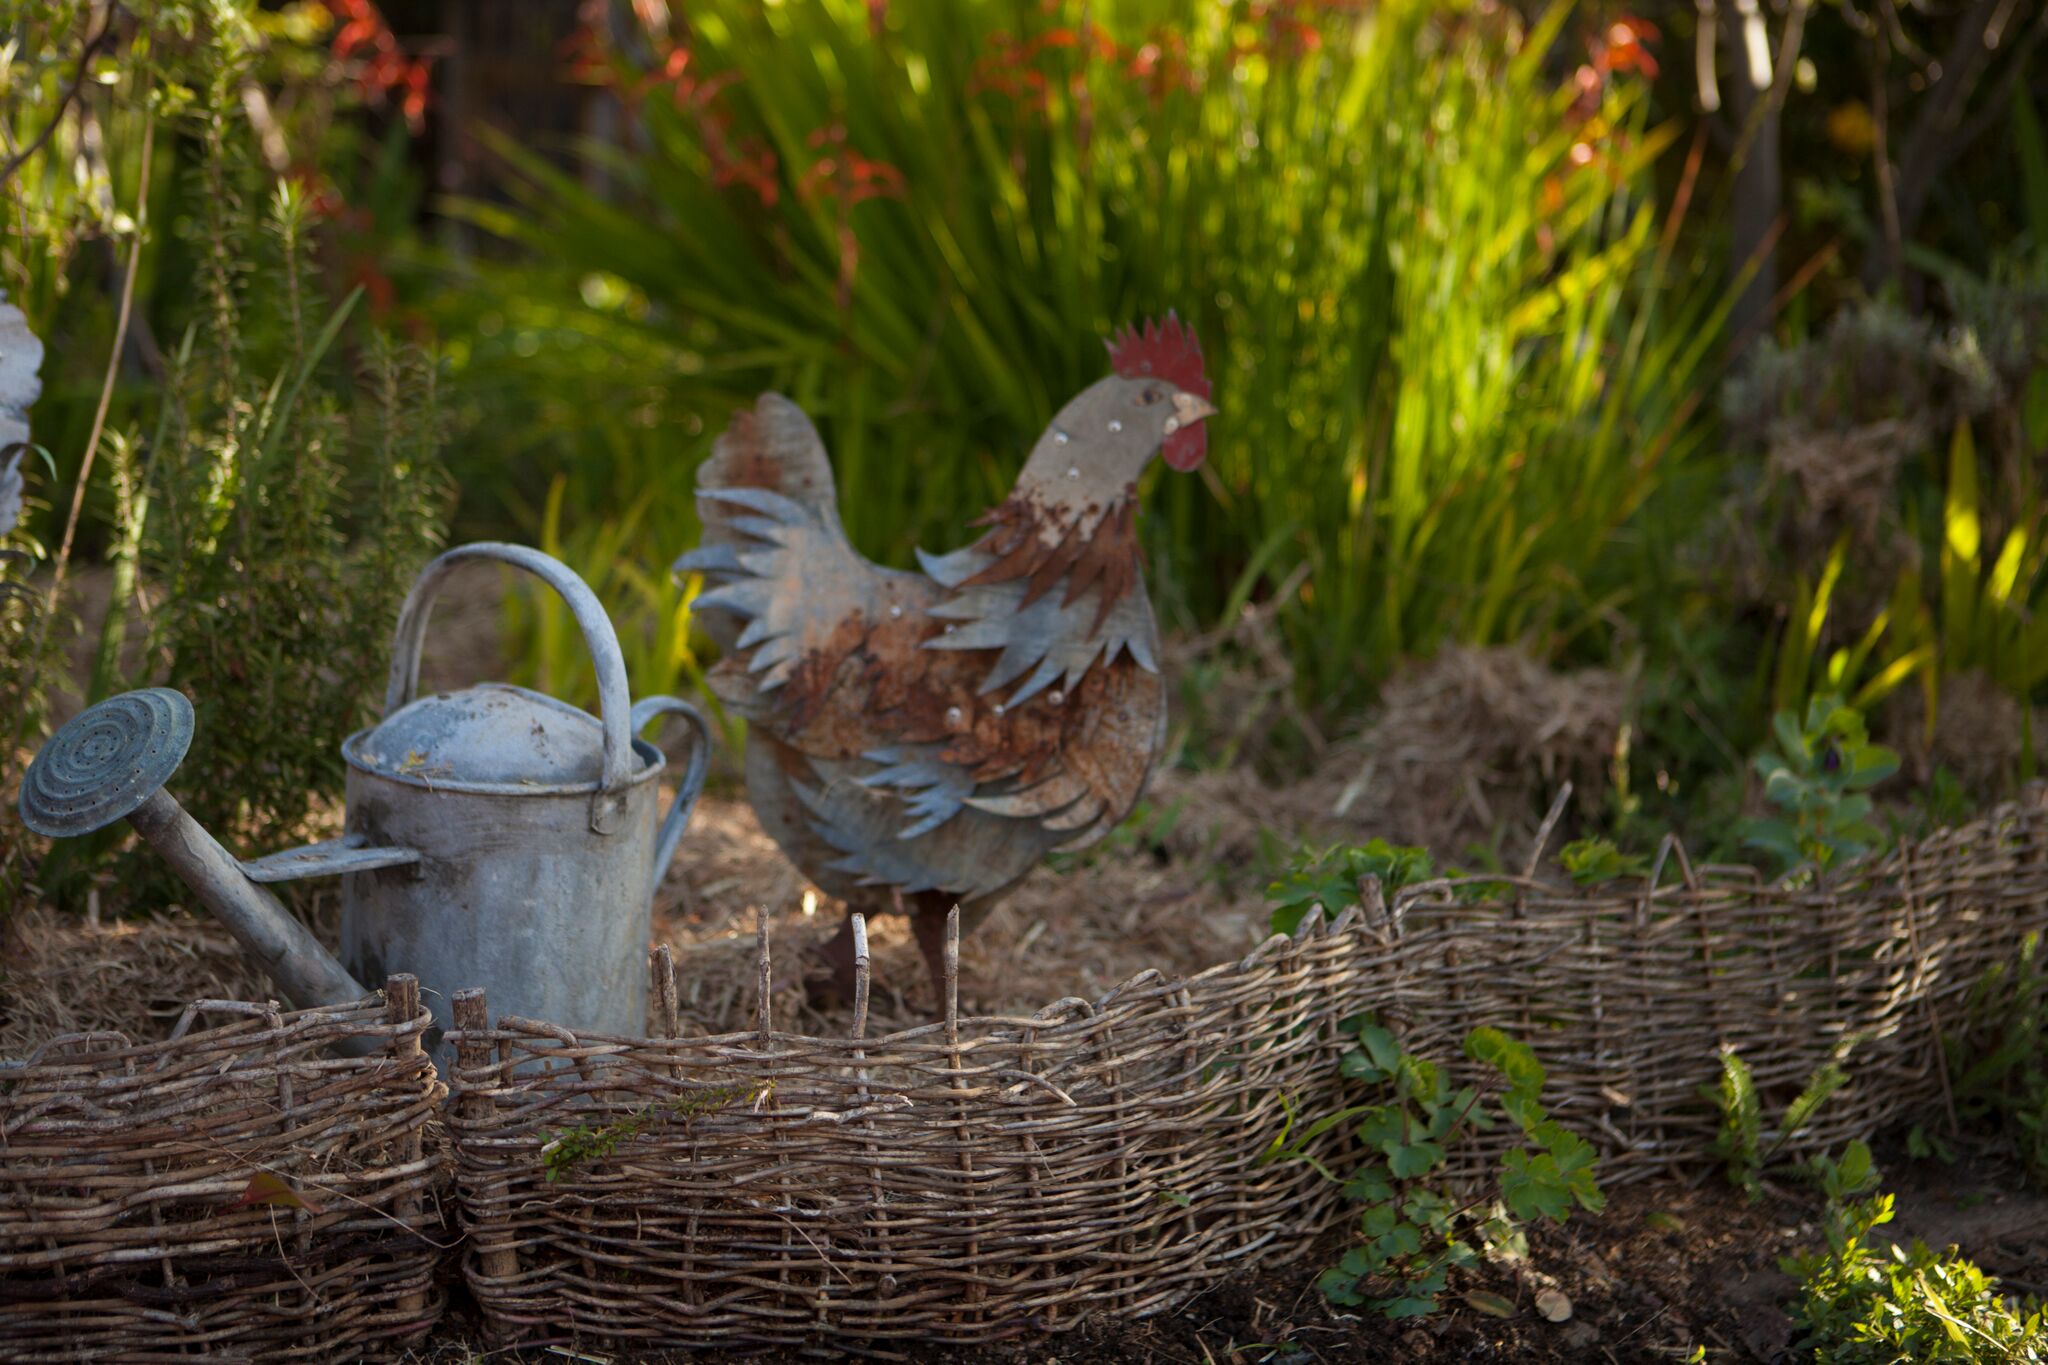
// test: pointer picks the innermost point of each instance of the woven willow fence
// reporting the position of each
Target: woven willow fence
(965, 1181)
(239, 1191)
(979, 1178)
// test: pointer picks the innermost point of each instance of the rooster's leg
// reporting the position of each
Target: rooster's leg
(837, 955)
(928, 921)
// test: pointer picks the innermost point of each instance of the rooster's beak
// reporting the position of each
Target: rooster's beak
(1180, 447)
(1188, 409)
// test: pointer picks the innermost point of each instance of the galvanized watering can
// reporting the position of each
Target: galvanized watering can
(494, 837)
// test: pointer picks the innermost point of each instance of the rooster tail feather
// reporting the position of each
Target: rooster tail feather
(773, 449)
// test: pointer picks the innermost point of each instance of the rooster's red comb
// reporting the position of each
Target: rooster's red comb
(1165, 350)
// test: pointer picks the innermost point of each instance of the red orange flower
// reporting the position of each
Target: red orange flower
(736, 159)
(1161, 64)
(385, 70)
(844, 177)
(1626, 47)
(1621, 47)
(843, 173)
(1015, 69)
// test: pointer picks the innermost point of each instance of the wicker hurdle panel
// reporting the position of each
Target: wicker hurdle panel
(133, 1225)
(961, 1182)
(1629, 998)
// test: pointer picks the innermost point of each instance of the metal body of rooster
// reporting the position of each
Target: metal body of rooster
(921, 740)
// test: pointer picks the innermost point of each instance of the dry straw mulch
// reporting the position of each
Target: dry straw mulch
(236, 1192)
(987, 1177)
(62, 974)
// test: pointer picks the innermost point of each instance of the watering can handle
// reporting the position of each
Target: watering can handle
(613, 705)
(692, 784)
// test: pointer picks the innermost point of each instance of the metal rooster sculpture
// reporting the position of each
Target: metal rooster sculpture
(921, 740)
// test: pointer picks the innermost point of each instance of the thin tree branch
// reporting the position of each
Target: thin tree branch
(1900, 39)
(99, 416)
(1781, 80)
(92, 47)
(1938, 134)
(2009, 81)
(1881, 158)
(1925, 151)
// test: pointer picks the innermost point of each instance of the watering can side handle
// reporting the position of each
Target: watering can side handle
(603, 642)
(692, 784)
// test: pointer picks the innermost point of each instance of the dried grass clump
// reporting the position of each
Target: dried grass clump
(1843, 481)
(1237, 687)
(1836, 418)
(65, 974)
(1472, 744)
(1979, 732)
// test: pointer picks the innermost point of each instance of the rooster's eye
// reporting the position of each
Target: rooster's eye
(1149, 395)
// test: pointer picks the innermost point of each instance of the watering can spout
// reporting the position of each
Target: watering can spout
(110, 763)
(269, 933)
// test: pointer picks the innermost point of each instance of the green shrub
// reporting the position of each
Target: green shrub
(1741, 1142)
(1869, 1303)
(1818, 779)
(1328, 882)
(290, 509)
(261, 508)
(1591, 861)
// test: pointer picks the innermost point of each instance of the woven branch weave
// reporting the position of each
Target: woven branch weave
(126, 1227)
(983, 1178)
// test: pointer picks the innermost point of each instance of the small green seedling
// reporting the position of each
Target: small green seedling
(1411, 1225)
(1818, 780)
(1864, 1301)
(1740, 1143)
(1326, 883)
(1592, 861)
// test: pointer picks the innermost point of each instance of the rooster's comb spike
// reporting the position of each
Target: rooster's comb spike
(1166, 350)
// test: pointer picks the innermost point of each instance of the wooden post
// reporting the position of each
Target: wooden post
(878, 1193)
(473, 1056)
(401, 1008)
(764, 996)
(668, 1022)
(861, 986)
(667, 1011)
(976, 1291)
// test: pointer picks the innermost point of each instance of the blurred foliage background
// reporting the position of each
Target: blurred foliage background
(237, 471)
(1703, 345)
